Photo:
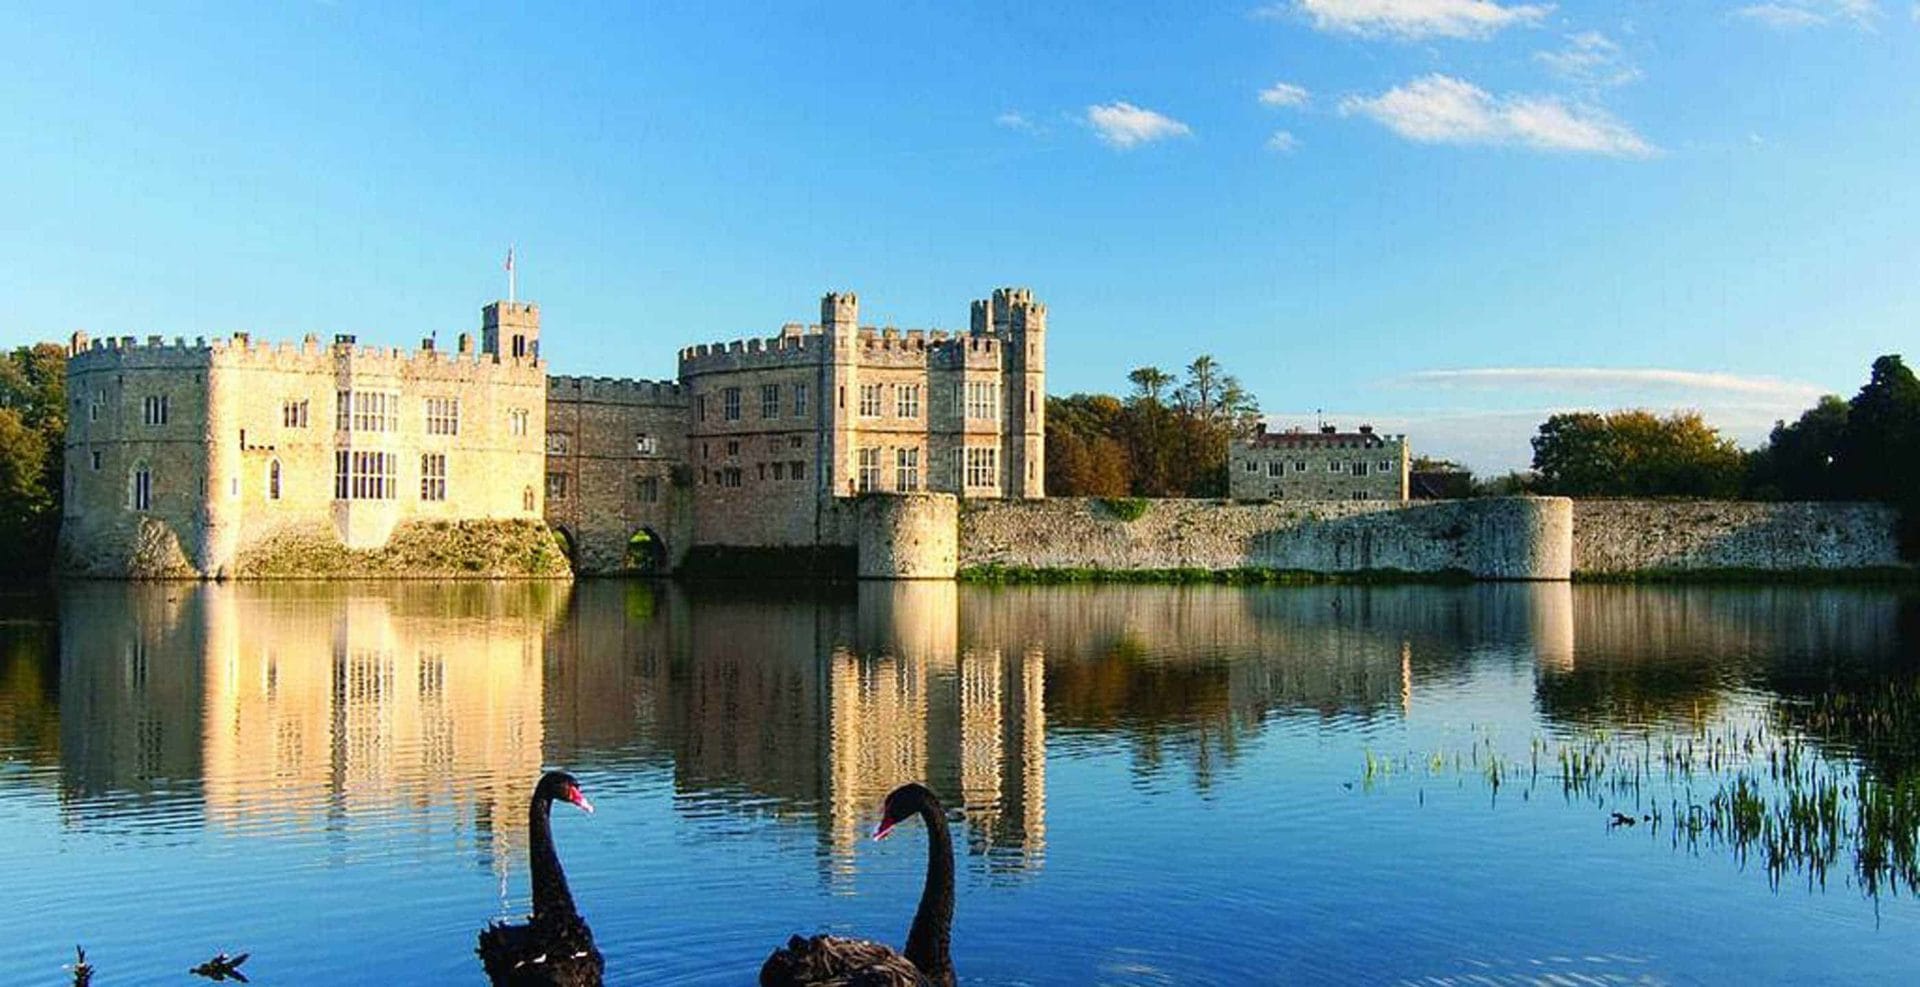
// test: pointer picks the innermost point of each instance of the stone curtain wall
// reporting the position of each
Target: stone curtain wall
(1496, 538)
(1620, 537)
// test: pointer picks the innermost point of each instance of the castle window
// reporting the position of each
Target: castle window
(983, 467)
(1031, 401)
(733, 447)
(730, 477)
(799, 400)
(769, 400)
(983, 400)
(793, 442)
(342, 410)
(798, 469)
(517, 422)
(907, 401)
(273, 480)
(519, 347)
(730, 401)
(1385, 466)
(779, 470)
(96, 460)
(373, 411)
(93, 409)
(906, 469)
(140, 495)
(869, 467)
(644, 445)
(364, 475)
(1333, 466)
(156, 409)
(526, 499)
(293, 414)
(646, 489)
(1299, 466)
(558, 443)
(433, 476)
(1359, 469)
(556, 486)
(443, 416)
(1253, 467)
(869, 400)
(700, 406)
(762, 471)
(1275, 469)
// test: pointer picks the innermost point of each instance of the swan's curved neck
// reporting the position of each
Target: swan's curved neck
(927, 941)
(551, 896)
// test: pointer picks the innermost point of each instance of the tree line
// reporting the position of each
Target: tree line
(1168, 437)
(33, 435)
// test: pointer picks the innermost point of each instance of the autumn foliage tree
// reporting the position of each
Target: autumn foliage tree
(1636, 454)
(33, 426)
(1167, 438)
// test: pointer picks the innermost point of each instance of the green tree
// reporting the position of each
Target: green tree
(33, 425)
(1876, 456)
(1800, 459)
(1636, 454)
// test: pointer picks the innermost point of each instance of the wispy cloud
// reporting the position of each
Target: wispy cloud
(1589, 59)
(1612, 379)
(1123, 125)
(1282, 142)
(1015, 120)
(1410, 20)
(1788, 15)
(1284, 94)
(1440, 109)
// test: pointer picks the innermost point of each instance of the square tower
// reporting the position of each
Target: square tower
(510, 330)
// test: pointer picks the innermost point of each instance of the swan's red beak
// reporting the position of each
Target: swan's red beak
(579, 798)
(885, 829)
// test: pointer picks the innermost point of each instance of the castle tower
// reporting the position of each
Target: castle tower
(510, 330)
(1021, 324)
(840, 318)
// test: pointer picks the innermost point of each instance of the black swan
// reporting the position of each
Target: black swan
(830, 961)
(223, 967)
(555, 947)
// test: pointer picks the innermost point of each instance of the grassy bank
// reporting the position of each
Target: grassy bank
(1247, 576)
(420, 549)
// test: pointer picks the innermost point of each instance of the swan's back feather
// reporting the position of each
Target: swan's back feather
(541, 954)
(835, 961)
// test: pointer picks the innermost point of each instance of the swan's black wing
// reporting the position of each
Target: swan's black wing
(833, 961)
(546, 954)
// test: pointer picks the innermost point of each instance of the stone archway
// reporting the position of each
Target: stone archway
(568, 545)
(646, 553)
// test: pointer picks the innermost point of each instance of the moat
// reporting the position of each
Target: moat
(1154, 785)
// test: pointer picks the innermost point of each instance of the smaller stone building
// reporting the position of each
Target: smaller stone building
(1324, 465)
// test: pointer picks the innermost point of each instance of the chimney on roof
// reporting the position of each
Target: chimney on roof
(1329, 429)
(1366, 430)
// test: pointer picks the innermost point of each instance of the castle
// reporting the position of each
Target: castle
(210, 458)
(1324, 465)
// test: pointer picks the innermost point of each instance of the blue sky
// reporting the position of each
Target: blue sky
(1445, 216)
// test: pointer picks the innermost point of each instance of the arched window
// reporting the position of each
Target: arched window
(273, 480)
(140, 487)
(526, 499)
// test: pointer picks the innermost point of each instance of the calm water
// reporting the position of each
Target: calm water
(1160, 785)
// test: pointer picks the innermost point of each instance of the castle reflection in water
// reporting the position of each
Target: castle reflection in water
(310, 704)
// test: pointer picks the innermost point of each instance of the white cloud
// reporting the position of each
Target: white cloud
(1590, 59)
(1787, 15)
(1439, 109)
(1015, 120)
(1412, 19)
(1284, 94)
(1282, 142)
(1591, 379)
(1124, 125)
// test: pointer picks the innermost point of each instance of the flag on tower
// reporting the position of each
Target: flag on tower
(509, 272)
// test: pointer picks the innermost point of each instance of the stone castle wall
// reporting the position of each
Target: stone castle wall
(1616, 537)
(1496, 538)
(1316, 466)
(613, 446)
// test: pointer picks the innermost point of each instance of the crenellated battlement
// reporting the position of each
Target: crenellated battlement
(310, 355)
(616, 390)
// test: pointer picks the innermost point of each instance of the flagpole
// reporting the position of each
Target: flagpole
(510, 285)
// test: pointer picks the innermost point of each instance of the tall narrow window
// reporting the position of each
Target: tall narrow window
(869, 400)
(769, 400)
(341, 472)
(293, 414)
(156, 408)
(907, 401)
(142, 487)
(647, 489)
(433, 476)
(906, 469)
(556, 486)
(983, 400)
(869, 470)
(526, 499)
(730, 401)
(799, 400)
(273, 480)
(342, 410)
(517, 421)
(983, 467)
